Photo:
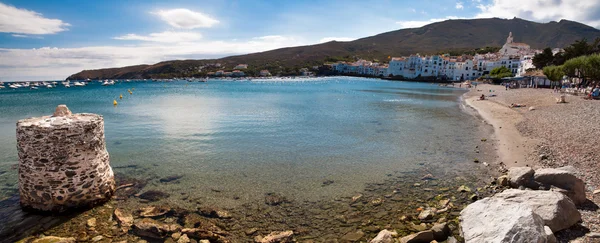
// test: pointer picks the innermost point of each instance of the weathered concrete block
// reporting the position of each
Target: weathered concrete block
(63, 162)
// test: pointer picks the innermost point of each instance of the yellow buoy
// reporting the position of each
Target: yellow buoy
(121, 96)
(115, 102)
(129, 91)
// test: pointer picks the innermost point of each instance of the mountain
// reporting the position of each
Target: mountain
(450, 35)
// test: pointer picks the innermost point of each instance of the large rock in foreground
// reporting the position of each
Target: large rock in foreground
(496, 220)
(63, 162)
(564, 179)
(557, 210)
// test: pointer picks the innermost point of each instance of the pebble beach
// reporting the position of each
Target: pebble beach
(544, 134)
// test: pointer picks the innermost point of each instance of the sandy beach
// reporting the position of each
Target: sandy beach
(547, 135)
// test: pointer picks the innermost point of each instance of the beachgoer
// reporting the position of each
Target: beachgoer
(482, 97)
(506, 86)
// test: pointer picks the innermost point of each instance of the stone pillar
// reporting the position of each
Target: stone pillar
(63, 162)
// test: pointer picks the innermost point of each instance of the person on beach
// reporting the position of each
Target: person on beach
(506, 86)
(482, 97)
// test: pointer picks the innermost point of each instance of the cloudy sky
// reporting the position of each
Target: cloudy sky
(43, 40)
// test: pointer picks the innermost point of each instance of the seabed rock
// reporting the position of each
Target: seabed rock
(151, 228)
(276, 237)
(154, 211)
(423, 236)
(384, 236)
(124, 219)
(54, 239)
(353, 236)
(274, 199)
(153, 195)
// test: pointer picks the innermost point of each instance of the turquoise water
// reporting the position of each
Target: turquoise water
(235, 141)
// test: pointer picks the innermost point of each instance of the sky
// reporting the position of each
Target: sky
(50, 40)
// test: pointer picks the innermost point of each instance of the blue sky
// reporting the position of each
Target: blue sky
(42, 39)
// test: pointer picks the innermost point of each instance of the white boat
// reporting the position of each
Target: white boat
(79, 84)
(107, 83)
(15, 86)
(66, 84)
(49, 86)
(33, 87)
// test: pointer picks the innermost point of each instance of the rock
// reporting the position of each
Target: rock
(550, 235)
(520, 176)
(443, 203)
(440, 231)
(563, 178)
(54, 239)
(276, 236)
(593, 235)
(214, 213)
(384, 236)
(183, 239)
(62, 110)
(426, 214)
(151, 228)
(204, 241)
(97, 238)
(170, 178)
(124, 219)
(176, 235)
(464, 188)
(497, 220)
(377, 201)
(251, 231)
(154, 211)
(153, 195)
(451, 240)
(274, 199)
(353, 236)
(427, 177)
(543, 156)
(91, 222)
(418, 227)
(355, 198)
(557, 211)
(423, 236)
(63, 162)
(473, 197)
(206, 232)
(503, 180)
(327, 182)
(531, 108)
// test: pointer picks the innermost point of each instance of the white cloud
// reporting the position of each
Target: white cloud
(23, 21)
(328, 39)
(186, 19)
(459, 5)
(421, 23)
(413, 10)
(58, 63)
(27, 36)
(167, 37)
(584, 11)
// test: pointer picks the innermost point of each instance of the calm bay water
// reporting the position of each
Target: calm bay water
(235, 141)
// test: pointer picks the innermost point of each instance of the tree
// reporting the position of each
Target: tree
(543, 59)
(554, 73)
(501, 72)
(579, 48)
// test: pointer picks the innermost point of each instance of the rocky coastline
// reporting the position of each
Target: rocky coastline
(429, 205)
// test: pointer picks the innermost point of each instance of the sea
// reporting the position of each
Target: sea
(232, 142)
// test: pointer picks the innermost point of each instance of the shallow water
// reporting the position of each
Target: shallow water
(235, 141)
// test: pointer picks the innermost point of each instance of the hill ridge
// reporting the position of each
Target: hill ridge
(448, 35)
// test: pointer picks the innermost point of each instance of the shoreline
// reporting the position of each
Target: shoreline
(512, 147)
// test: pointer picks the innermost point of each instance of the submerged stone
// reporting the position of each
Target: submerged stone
(153, 195)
